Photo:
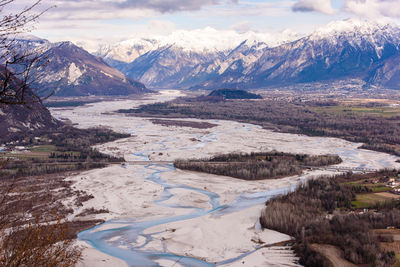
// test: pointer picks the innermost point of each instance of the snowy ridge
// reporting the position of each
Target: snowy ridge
(354, 28)
(128, 50)
(205, 41)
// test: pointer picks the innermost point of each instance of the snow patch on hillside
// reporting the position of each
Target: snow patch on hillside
(73, 74)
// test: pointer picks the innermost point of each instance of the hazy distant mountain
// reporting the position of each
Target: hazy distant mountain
(350, 49)
(72, 71)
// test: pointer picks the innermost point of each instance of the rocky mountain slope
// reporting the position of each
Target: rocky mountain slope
(72, 71)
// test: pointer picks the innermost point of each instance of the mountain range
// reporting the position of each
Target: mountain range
(362, 52)
(365, 51)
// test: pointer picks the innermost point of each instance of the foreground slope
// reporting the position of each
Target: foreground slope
(17, 120)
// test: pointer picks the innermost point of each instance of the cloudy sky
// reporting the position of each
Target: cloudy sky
(124, 19)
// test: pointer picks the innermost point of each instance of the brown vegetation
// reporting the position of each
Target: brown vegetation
(33, 231)
(256, 166)
(37, 245)
(321, 213)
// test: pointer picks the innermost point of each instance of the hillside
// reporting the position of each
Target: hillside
(72, 71)
(19, 120)
(234, 94)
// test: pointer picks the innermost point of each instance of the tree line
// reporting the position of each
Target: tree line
(73, 151)
(257, 166)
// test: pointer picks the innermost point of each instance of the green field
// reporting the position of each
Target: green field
(368, 200)
(386, 112)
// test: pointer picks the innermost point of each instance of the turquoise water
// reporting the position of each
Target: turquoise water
(124, 239)
(135, 255)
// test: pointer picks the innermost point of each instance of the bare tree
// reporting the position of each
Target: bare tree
(16, 63)
(24, 242)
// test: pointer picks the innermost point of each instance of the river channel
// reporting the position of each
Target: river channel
(147, 240)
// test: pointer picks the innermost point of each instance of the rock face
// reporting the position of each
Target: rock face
(171, 67)
(342, 50)
(72, 71)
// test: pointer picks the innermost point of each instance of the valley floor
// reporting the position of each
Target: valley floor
(220, 215)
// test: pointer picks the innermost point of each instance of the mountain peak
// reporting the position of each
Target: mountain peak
(352, 27)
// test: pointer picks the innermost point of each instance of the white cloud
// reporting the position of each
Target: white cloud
(114, 9)
(322, 6)
(123, 19)
(92, 33)
(160, 27)
(373, 8)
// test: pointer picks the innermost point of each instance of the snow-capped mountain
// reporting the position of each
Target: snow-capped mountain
(355, 49)
(345, 49)
(184, 58)
(207, 40)
(72, 71)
